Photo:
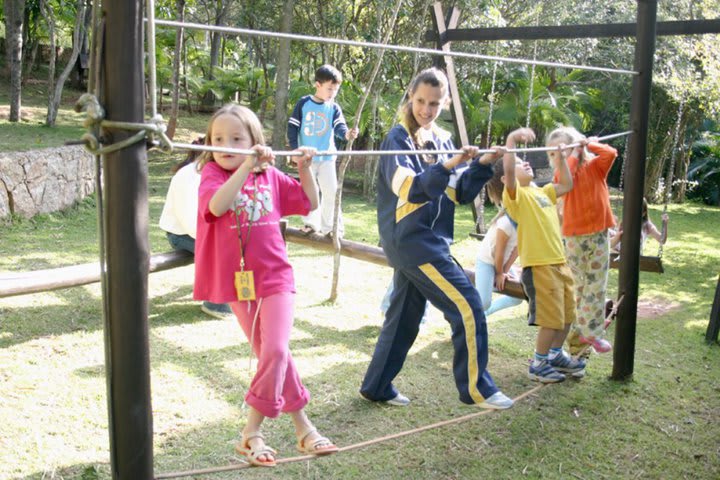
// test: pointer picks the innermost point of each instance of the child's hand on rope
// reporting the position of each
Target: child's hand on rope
(492, 157)
(521, 135)
(352, 133)
(304, 160)
(469, 152)
(262, 160)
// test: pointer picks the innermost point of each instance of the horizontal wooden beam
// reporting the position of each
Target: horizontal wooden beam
(368, 253)
(23, 283)
(682, 27)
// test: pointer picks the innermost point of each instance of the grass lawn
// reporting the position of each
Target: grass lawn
(53, 408)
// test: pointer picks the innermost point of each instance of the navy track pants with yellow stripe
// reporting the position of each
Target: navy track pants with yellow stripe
(448, 288)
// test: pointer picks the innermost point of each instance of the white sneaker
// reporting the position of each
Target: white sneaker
(497, 401)
(400, 400)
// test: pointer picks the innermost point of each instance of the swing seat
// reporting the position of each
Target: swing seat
(479, 236)
(647, 263)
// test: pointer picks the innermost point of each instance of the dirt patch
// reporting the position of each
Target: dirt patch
(655, 307)
(25, 115)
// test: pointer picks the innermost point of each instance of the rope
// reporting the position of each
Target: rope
(673, 157)
(531, 86)
(295, 153)
(397, 48)
(347, 448)
(491, 107)
(608, 319)
(96, 119)
(480, 222)
(150, 4)
(622, 175)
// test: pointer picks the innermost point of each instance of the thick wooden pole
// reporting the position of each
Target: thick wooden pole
(624, 353)
(711, 335)
(126, 246)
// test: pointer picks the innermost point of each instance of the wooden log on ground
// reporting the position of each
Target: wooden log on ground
(22, 283)
(361, 251)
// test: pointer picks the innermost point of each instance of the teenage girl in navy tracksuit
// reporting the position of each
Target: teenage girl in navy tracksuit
(416, 207)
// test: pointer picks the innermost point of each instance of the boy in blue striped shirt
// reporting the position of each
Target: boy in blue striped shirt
(315, 122)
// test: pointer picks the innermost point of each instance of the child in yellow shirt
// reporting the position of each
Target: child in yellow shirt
(546, 278)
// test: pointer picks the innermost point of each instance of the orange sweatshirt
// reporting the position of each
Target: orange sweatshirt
(587, 206)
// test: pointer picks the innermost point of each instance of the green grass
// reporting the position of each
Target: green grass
(662, 424)
(53, 409)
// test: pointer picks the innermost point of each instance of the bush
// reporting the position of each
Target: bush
(705, 169)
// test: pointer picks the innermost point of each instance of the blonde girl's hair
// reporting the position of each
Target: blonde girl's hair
(568, 135)
(247, 118)
(430, 76)
(494, 186)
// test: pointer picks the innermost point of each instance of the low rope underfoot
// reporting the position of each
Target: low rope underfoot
(609, 317)
(347, 448)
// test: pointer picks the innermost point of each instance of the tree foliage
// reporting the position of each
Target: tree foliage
(221, 67)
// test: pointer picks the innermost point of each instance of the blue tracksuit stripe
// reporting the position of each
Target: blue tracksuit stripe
(450, 291)
(468, 327)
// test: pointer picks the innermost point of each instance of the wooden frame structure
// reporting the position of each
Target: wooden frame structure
(126, 264)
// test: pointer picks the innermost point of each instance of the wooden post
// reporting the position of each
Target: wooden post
(456, 105)
(624, 352)
(126, 245)
(714, 326)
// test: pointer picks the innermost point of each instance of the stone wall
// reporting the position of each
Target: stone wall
(44, 181)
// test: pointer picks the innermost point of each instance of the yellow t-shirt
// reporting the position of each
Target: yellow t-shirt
(539, 241)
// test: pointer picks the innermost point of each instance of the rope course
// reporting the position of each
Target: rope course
(152, 132)
(347, 448)
(397, 48)
(673, 158)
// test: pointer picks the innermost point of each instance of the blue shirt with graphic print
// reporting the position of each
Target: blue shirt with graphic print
(316, 124)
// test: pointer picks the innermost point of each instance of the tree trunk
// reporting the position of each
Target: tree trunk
(56, 95)
(186, 88)
(49, 14)
(346, 160)
(282, 77)
(32, 58)
(208, 101)
(175, 105)
(14, 19)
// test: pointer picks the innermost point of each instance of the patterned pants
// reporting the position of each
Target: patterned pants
(589, 259)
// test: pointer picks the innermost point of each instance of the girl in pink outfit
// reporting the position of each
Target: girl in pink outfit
(239, 249)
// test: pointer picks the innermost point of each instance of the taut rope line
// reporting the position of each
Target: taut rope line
(294, 153)
(347, 448)
(397, 48)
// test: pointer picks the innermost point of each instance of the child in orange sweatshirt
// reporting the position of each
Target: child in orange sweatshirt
(586, 218)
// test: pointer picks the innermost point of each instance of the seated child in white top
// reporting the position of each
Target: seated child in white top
(497, 253)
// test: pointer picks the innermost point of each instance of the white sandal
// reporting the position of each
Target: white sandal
(252, 454)
(320, 446)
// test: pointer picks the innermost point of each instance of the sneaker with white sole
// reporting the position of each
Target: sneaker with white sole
(497, 401)
(566, 364)
(217, 310)
(399, 400)
(545, 373)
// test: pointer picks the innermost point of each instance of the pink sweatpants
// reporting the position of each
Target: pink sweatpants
(276, 386)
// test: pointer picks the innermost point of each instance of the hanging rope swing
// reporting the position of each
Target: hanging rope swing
(650, 263)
